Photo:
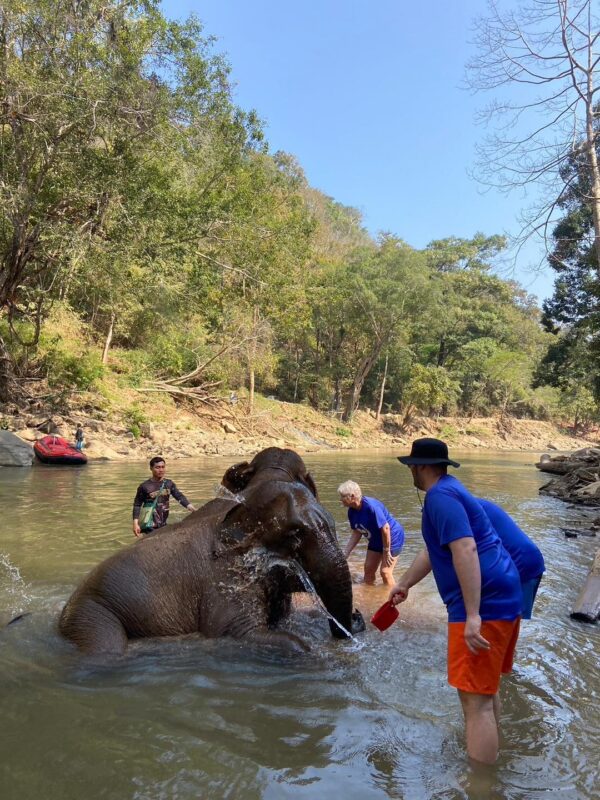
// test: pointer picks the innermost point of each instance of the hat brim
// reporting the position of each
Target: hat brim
(408, 460)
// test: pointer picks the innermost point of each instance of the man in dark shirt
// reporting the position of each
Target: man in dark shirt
(148, 491)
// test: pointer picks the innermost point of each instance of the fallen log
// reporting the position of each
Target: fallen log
(554, 467)
(587, 606)
(562, 465)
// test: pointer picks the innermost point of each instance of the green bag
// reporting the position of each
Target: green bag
(146, 519)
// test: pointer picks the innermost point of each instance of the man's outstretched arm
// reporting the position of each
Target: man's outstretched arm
(181, 498)
(420, 567)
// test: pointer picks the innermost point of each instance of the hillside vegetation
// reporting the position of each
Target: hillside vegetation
(156, 257)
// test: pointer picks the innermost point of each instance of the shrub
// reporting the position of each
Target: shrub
(66, 353)
(343, 432)
(448, 433)
(134, 419)
(73, 371)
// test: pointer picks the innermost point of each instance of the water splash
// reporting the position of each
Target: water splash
(259, 561)
(224, 493)
(296, 567)
(14, 588)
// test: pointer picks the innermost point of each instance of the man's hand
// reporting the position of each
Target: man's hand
(190, 507)
(136, 528)
(398, 594)
(387, 559)
(473, 638)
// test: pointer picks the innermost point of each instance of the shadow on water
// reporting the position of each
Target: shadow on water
(192, 717)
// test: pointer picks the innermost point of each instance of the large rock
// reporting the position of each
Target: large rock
(14, 452)
(100, 451)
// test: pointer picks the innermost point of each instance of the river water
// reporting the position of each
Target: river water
(367, 719)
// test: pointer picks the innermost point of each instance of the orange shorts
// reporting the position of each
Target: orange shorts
(480, 673)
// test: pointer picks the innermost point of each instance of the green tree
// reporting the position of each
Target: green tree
(430, 390)
(384, 291)
(574, 308)
(92, 94)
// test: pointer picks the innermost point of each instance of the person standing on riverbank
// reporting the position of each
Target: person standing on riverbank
(79, 437)
(154, 494)
(526, 555)
(479, 584)
(369, 517)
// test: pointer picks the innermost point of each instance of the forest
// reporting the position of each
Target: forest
(150, 239)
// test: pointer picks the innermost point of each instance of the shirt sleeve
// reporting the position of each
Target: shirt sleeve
(140, 497)
(179, 496)
(378, 513)
(448, 517)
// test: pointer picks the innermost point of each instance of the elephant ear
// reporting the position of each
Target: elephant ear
(237, 477)
(232, 531)
(308, 480)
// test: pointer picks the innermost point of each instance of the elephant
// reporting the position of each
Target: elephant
(228, 569)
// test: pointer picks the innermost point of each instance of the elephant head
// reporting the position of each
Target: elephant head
(260, 469)
(278, 509)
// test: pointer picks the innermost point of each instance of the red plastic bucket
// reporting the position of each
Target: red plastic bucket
(385, 616)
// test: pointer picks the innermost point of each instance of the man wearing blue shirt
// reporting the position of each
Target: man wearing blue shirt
(526, 555)
(479, 584)
(369, 517)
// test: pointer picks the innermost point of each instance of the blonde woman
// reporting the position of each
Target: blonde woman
(369, 517)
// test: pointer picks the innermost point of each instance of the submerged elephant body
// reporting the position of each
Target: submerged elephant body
(227, 570)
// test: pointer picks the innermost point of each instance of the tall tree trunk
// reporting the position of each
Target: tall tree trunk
(382, 392)
(595, 174)
(251, 361)
(297, 378)
(362, 372)
(108, 340)
(591, 133)
(441, 357)
(10, 391)
(251, 391)
(337, 398)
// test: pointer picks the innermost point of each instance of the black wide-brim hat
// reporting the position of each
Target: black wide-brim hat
(428, 451)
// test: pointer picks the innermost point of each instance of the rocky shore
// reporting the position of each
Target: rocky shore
(577, 476)
(230, 431)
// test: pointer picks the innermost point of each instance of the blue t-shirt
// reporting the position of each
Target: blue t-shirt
(370, 518)
(527, 556)
(451, 512)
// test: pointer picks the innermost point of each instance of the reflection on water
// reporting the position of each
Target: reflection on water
(188, 718)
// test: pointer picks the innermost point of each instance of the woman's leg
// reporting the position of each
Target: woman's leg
(387, 572)
(372, 562)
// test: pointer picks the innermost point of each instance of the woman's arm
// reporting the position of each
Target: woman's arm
(354, 539)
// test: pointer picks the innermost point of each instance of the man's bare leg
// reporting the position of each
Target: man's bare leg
(497, 708)
(481, 727)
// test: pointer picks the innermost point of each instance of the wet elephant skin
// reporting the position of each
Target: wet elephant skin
(211, 573)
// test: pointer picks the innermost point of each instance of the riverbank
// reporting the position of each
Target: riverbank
(148, 426)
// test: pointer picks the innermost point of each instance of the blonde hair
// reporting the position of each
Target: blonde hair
(350, 488)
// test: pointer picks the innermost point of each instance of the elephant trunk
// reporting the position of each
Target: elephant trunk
(333, 583)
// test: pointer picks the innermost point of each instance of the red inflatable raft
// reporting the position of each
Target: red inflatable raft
(55, 450)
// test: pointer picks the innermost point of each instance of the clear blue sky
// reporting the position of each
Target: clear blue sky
(368, 97)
